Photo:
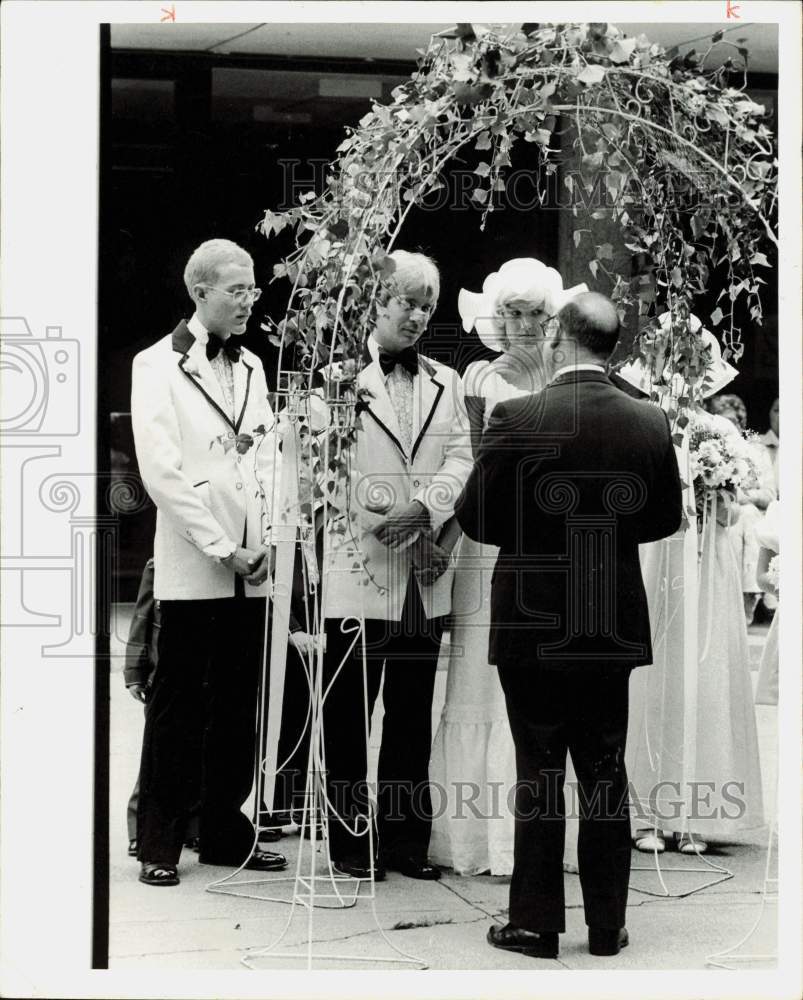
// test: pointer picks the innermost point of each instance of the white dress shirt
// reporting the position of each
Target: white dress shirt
(578, 368)
(399, 383)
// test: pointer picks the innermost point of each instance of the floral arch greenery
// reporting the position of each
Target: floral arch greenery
(690, 171)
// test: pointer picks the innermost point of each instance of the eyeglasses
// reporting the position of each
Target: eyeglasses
(409, 306)
(548, 325)
(240, 295)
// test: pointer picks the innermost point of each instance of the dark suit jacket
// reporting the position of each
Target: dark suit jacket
(141, 649)
(568, 482)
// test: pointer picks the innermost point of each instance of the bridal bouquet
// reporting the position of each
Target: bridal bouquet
(721, 466)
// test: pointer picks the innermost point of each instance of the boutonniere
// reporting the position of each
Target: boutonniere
(242, 442)
(363, 400)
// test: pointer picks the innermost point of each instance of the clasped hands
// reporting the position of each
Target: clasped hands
(411, 523)
(254, 565)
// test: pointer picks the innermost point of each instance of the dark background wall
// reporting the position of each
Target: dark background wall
(199, 145)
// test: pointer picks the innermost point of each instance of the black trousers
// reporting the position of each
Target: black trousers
(408, 649)
(202, 708)
(584, 712)
(133, 801)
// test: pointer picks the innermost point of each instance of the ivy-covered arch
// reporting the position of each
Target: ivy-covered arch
(690, 169)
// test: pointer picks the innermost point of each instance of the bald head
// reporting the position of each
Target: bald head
(591, 321)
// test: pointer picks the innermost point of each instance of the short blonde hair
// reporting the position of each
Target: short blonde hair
(205, 262)
(413, 271)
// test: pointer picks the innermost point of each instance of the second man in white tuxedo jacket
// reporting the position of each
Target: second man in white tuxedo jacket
(392, 567)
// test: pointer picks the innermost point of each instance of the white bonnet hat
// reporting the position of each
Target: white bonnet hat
(718, 374)
(520, 276)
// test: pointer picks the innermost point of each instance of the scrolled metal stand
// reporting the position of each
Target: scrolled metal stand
(315, 883)
(769, 895)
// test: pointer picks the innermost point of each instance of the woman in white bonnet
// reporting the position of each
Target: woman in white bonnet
(473, 759)
(692, 745)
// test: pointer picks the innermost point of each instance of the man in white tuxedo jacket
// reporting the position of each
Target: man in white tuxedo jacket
(207, 455)
(411, 458)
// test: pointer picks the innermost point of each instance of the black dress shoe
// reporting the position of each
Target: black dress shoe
(358, 869)
(266, 861)
(414, 868)
(602, 941)
(534, 944)
(260, 861)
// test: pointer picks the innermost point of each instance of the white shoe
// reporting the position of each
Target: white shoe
(649, 842)
(687, 843)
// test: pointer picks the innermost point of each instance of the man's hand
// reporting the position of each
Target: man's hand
(303, 642)
(430, 560)
(403, 524)
(261, 565)
(242, 561)
(139, 692)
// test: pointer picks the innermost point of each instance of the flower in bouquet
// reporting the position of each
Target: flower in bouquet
(721, 466)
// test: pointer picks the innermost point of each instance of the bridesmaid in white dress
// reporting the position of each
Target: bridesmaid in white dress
(473, 760)
(768, 534)
(692, 727)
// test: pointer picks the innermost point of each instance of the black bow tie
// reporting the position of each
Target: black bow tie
(215, 345)
(408, 359)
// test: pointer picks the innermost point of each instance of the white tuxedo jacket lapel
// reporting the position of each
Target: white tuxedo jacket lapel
(427, 391)
(195, 365)
(379, 405)
(242, 387)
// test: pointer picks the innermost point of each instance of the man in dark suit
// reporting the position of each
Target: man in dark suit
(568, 483)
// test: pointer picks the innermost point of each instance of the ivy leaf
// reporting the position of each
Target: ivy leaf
(676, 277)
(339, 230)
(717, 316)
(605, 252)
(592, 75)
(717, 36)
(480, 195)
(483, 141)
(482, 170)
(697, 225)
(593, 267)
(577, 236)
(759, 258)
(622, 50)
